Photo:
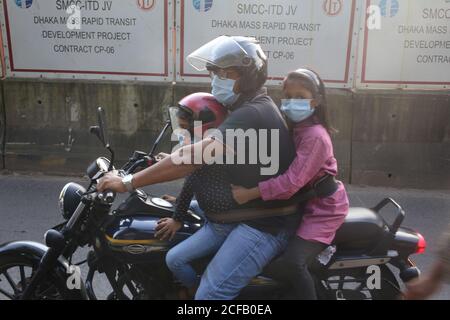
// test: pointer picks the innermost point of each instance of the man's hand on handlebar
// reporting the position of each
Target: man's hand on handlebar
(111, 181)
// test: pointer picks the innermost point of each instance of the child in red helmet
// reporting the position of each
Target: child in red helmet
(201, 107)
(211, 188)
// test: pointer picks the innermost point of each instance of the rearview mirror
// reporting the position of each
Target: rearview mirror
(102, 131)
(96, 131)
(103, 126)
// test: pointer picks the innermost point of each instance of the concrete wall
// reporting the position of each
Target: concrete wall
(45, 117)
(401, 139)
(2, 128)
(386, 138)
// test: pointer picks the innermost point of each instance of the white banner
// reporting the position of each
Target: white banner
(293, 33)
(406, 44)
(89, 39)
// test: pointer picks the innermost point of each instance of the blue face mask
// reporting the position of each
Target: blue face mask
(297, 109)
(186, 140)
(222, 90)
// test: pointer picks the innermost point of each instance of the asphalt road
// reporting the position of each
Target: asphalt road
(28, 207)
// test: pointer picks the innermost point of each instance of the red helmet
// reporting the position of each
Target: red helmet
(204, 107)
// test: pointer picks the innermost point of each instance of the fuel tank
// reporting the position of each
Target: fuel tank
(131, 231)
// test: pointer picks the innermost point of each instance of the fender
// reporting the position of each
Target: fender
(406, 242)
(34, 251)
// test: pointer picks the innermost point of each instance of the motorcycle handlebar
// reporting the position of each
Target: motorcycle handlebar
(107, 196)
(141, 163)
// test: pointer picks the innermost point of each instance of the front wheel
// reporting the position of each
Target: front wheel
(15, 274)
(355, 284)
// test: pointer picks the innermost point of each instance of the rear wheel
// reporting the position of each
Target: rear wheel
(16, 273)
(352, 284)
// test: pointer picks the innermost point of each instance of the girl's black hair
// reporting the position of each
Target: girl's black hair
(312, 81)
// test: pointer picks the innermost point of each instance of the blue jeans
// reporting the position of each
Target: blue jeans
(204, 242)
(242, 256)
(242, 253)
(195, 207)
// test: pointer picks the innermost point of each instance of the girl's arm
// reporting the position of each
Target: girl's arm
(311, 156)
(168, 227)
(243, 195)
(184, 199)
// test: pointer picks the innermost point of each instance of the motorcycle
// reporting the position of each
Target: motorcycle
(358, 265)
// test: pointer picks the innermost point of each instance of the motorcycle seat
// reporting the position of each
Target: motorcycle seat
(362, 227)
(239, 215)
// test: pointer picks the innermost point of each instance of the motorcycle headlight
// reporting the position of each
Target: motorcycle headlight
(70, 198)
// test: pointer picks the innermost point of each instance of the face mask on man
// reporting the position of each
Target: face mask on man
(222, 90)
(297, 110)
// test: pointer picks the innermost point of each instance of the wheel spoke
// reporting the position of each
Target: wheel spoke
(23, 279)
(341, 282)
(7, 294)
(360, 287)
(11, 282)
(45, 291)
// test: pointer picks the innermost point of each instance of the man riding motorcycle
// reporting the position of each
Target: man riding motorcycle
(122, 240)
(238, 68)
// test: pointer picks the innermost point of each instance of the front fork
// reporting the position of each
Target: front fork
(56, 242)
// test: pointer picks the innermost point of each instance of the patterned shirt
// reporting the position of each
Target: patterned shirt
(211, 187)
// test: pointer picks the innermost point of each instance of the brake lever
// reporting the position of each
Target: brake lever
(89, 192)
(144, 163)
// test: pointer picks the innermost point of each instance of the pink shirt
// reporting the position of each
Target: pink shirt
(315, 157)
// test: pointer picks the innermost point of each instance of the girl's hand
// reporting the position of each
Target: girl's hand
(161, 156)
(428, 284)
(169, 198)
(421, 289)
(243, 195)
(167, 228)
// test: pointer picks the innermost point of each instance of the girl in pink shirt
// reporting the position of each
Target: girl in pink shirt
(305, 107)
